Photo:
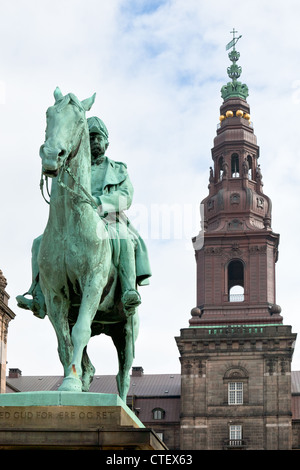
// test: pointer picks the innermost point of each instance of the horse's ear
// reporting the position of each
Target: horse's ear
(88, 103)
(57, 94)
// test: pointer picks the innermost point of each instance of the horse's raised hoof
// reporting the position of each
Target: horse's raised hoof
(71, 384)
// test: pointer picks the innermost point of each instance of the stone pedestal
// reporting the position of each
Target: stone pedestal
(66, 420)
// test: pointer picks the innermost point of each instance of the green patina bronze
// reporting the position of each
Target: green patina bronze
(234, 88)
(87, 264)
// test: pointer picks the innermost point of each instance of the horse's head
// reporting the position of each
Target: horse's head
(66, 124)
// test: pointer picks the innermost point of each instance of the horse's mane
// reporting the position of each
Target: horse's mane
(69, 98)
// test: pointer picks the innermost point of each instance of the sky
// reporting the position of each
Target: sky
(157, 68)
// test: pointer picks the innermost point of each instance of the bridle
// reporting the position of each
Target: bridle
(42, 186)
(66, 169)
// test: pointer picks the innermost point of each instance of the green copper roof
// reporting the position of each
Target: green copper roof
(234, 89)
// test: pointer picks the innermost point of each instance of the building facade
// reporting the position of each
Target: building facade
(236, 353)
(6, 315)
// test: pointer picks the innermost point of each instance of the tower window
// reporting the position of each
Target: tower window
(236, 281)
(235, 386)
(235, 435)
(235, 393)
(220, 168)
(249, 160)
(235, 170)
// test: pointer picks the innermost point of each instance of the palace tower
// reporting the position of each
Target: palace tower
(236, 353)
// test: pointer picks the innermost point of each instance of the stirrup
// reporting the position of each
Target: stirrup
(23, 302)
(31, 304)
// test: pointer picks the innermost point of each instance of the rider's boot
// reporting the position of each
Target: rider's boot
(36, 304)
(131, 299)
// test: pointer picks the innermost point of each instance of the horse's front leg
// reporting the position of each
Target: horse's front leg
(58, 308)
(81, 334)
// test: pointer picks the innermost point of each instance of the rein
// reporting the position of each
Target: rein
(42, 187)
(65, 168)
(88, 199)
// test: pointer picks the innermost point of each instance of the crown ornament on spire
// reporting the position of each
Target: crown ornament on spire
(234, 89)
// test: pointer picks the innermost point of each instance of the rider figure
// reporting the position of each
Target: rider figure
(112, 191)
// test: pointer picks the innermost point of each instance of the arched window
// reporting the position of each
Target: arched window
(220, 168)
(158, 413)
(236, 281)
(250, 171)
(236, 386)
(236, 294)
(235, 167)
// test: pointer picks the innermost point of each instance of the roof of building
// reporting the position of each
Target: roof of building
(163, 385)
(140, 385)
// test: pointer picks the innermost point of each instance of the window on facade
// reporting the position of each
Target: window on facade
(235, 170)
(158, 413)
(235, 435)
(235, 393)
(236, 281)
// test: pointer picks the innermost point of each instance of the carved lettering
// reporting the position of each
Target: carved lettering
(61, 415)
(43, 414)
(66, 415)
(23, 415)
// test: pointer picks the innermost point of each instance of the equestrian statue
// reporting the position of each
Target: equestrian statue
(90, 260)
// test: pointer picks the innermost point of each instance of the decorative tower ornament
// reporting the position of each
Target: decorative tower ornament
(234, 88)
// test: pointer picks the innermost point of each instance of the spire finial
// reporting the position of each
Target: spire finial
(234, 88)
(234, 40)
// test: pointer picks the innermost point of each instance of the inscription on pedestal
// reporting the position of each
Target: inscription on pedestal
(59, 417)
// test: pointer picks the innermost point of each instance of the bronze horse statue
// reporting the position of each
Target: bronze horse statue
(78, 279)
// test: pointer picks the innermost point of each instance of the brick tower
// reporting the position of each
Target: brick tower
(6, 314)
(236, 354)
